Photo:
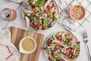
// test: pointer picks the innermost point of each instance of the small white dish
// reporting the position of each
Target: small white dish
(21, 48)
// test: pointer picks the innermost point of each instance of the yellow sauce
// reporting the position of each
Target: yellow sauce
(28, 44)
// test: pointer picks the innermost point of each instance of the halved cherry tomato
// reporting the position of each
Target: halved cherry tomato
(69, 40)
(33, 14)
(72, 57)
(66, 35)
(68, 50)
(48, 7)
(59, 37)
(49, 43)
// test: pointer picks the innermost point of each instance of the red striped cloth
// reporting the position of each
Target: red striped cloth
(8, 52)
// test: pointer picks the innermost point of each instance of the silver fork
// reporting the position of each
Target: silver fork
(85, 40)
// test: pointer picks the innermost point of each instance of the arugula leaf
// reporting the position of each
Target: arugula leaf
(40, 2)
(30, 1)
(57, 34)
(35, 18)
(46, 21)
(39, 11)
(65, 42)
(70, 36)
(76, 46)
(76, 53)
(51, 38)
(49, 51)
(56, 56)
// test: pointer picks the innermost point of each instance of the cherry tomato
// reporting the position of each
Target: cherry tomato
(68, 50)
(48, 7)
(59, 37)
(49, 43)
(69, 40)
(66, 35)
(72, 57)
(33, 14)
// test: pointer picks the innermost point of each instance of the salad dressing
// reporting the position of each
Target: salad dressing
(28, 44)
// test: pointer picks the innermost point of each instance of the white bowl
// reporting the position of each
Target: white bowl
(24, 51)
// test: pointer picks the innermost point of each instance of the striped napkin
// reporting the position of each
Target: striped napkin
(8, 52)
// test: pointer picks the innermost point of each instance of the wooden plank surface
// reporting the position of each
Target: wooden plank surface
(17, 34)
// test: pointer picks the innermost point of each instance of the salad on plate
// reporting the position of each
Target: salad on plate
(62, 46)
(44, 14)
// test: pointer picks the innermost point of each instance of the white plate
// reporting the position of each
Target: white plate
(46, 55)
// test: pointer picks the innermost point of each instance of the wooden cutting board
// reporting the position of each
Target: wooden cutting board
(17, 34)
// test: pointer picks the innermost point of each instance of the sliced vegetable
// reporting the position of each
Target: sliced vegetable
(69, 40)
(46, 21)
(56, 56)
(35, 18)
(70, 36)
(33, 14)
(76, 53)
(76, 46)
(30, 1)
(68, 50)
(49, 51)
(65, 42)
(40, 2)
(48, 7)
(51, 38)
(66, 35)
(72, 57)
(49, 43)
(39, 11)
(59, 37)
(56, 16)
(57, 34)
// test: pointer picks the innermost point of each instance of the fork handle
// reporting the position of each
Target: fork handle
(88, 52)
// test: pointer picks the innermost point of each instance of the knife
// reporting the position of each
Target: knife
(85, 40)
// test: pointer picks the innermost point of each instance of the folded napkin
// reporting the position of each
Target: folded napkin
(8, 52)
